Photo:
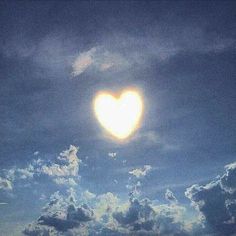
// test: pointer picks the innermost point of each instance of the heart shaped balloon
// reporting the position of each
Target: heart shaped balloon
(120, 116)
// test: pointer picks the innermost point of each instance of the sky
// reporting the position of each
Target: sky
(61, 174)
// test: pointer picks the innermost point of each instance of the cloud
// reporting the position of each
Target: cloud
(60, 215)
(106, 203)
(228, 180)
(24, 173)
(142, 217)
(108, 215)
(5, 184)
(83, 61)
(169, 196)
(112, 155)
(69, 164)
(36, 153)
(3, 203)
(62, 172)
(98, 59)
(65, 181)
(140, 172)
(87, 195)
(217, 201)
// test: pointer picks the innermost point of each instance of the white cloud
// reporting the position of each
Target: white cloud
(5, 184)
(140, 172)
(25, 173)
(106, 66)
(99, 59)
(63, 172)
(112, 155)
(65, 181)
(105, 203)
(169, 196)
(87, 195)
(66, 171)
(83, 61)
(69, 167)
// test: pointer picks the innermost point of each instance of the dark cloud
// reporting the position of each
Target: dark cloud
(138, 216)
(107, 215)
(60, 215)
(217, 201)
(144, 218)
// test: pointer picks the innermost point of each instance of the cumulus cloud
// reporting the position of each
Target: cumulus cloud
(5, 184)
(64, 171)
(65, 181)
(140, 172)
(169, 196)
(24, 173)
(112, 155)
(59, 215)
(106, 203)
(217, 201)
(228, 180)
(87, 195)
(69, 164)
(145, 218)
(106, 214)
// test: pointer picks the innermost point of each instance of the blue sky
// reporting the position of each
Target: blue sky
(56, 55)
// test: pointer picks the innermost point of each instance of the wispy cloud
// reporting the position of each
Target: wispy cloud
(152, 138)
(83, 61)
(98, 59)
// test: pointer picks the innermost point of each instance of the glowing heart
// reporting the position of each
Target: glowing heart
(119, 116)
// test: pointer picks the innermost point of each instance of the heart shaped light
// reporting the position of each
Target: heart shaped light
(119, 116)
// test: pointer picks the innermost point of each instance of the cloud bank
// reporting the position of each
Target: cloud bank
(84, 213)
(216, 201)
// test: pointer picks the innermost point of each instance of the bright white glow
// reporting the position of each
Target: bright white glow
(119, 116)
